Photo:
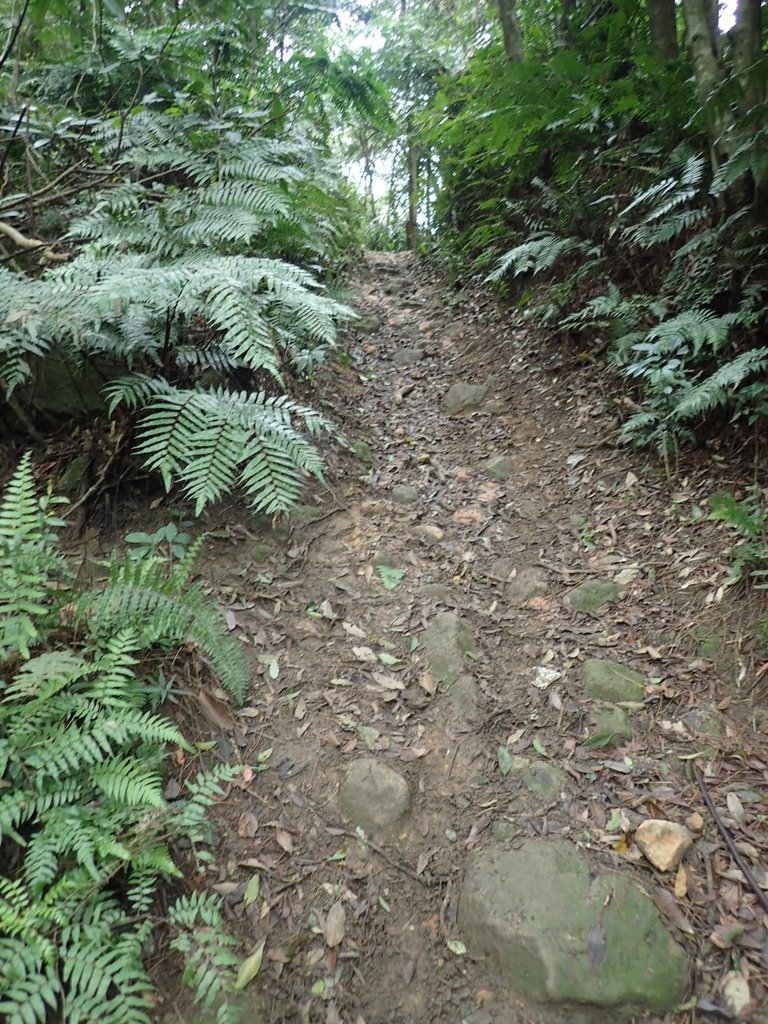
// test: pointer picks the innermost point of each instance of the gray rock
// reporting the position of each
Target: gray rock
(503, 829)
(367, 324)
(71, 479)
(542, 779)
(429, 533)
(593, 595)
(464, 398)
(502, 467)
(558, 933)
(612, 727)
(404, 494)
(386, 559)
(463, 697)
(608, 680)
(408, 357)
(363, 451)
(374, 797)
(525, 584)
(449, 645)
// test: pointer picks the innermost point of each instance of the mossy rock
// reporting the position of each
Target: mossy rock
(611, 681)
(558, 931)
(593, 595)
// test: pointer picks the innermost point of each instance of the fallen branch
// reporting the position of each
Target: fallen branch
(742, 865)
(31, 243)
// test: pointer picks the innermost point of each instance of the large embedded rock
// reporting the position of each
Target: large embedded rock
(374, 797)
(449, 646)
(608, 680)
(558, 933)
(464, 398)
(593, 595)
(541, 778)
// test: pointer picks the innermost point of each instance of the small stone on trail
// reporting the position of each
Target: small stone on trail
(464, 398)
(540, 778)
(664, 843)
(612, 727)
(408, 357)
(386, 559)
(593, 595)
(429, 534)
(694, 822)
(501, 467)
(363, 451)
(404, 494)
(608, 680)
(558, 932)
(528, 582)
(374, 797)
(447, 643)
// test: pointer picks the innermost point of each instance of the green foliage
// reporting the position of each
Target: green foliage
(83, 819)
(749, 517)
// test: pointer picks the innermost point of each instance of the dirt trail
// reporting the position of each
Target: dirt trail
(495, 513)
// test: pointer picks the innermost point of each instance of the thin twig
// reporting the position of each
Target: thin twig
(14, 34)
(750, 879)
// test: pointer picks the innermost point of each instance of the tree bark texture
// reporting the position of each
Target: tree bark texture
(510, 27)
(412, 225)
(661, 14)
(747, 51)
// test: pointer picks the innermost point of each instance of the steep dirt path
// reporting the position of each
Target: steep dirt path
(420, 611)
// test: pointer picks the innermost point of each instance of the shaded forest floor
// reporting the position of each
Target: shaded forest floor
(496, 513)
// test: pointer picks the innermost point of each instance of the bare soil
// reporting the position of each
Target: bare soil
(339, 671)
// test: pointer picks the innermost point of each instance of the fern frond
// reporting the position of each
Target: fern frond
(722, 386)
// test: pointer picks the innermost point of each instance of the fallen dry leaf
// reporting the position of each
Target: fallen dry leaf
(284, 840)
(215, 711)
(335, 925)
(248, 825)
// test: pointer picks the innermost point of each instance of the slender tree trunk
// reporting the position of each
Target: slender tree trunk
(702, 37)
(663, 28)
(412, 225)
(567, 9)
(510, 27)
(747, 51)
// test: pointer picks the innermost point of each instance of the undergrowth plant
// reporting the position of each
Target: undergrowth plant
(749, 517)
(184, 293)
(84, 824)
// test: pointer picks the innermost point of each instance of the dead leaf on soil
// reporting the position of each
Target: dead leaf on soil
(352, 630)
(248, 825)
(364, 654)
(388, 682)
(335, 925)
(667, 904)
(284, 840)
(215, 711)
(681, 883)
(427, 683)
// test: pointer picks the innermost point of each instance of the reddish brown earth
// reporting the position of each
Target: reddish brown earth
(339, 671)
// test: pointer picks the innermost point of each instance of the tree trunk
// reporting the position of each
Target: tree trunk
(412, 225)
(510, 26)
(703, 42)
(663, 28)
(747, 51)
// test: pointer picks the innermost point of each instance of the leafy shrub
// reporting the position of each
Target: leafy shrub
(178, 295)
(83, 821)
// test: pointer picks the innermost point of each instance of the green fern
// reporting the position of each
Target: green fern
(537, 253)
(81, 768)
